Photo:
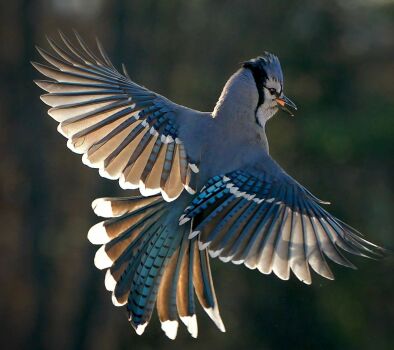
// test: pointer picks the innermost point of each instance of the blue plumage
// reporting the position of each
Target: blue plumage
(246, 209)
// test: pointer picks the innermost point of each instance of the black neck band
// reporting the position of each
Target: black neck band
(260, 77)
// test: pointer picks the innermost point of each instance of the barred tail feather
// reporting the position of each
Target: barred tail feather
(150, 260)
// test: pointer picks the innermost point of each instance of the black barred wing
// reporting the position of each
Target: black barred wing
(273, 224)
(125, 130)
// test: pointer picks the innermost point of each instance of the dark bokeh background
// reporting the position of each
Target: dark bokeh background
(338, 60)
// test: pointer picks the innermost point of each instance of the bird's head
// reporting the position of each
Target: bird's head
(268, 77)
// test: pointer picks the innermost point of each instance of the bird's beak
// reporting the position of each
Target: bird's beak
(285, 102)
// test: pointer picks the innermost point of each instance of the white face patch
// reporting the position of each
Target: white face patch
(273, 84)
(269, 107)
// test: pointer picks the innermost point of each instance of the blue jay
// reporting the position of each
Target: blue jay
(208, 186)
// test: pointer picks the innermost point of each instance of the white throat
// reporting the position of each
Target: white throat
(265, 112)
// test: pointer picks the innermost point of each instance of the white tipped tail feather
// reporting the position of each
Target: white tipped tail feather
(213, 313)
(141, 328)
(102, 207)
(170, 328)
(191, 323)
(109, 281)
(98, 234)
(116, 302)
(101, 259)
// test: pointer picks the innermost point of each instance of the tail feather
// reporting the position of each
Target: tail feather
(185, 293)
(203, 285)
(148, 275)
(113, 207)
(150, 259)
(129, 233)
(174, 294)
(167, 307)
(187, 265)
(124, 286)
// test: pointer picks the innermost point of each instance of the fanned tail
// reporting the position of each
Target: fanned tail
(150, 259)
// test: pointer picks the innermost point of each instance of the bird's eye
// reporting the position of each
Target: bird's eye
(272, 91)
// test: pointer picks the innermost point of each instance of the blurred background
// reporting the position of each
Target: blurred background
(338, 62)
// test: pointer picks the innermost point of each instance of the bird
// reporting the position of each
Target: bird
(202, 185)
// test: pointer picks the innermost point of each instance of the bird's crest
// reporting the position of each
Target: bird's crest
(267, 63)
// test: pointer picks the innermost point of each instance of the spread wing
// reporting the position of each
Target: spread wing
(123, 129)
(266, 220)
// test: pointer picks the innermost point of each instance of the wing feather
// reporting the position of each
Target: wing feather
(116, 124)
(270, 222)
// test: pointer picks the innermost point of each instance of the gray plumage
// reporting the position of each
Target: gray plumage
(210, 186)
